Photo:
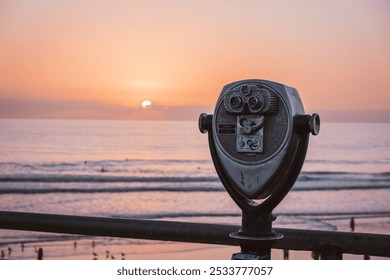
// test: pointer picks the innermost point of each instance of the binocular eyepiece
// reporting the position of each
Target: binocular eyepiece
(251, 99)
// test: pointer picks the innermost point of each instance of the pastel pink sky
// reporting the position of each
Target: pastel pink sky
(101, 59)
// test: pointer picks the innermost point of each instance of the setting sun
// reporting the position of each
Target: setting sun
(146, 103)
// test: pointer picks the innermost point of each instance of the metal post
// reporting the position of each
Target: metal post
(256, 237)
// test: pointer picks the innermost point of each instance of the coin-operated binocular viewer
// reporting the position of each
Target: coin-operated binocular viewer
(258, 138)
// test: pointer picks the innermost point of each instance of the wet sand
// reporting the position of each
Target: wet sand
(119, 249)
(152, 251)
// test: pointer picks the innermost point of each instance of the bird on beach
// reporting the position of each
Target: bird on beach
(95, 256)
(107, 254)
(123, 255)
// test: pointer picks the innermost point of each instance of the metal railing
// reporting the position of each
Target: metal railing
(328, 244)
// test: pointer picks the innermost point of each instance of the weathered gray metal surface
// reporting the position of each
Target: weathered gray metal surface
(294, 239)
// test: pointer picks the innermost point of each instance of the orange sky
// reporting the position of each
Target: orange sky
(103, 58)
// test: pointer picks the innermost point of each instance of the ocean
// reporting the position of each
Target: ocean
(163, 170)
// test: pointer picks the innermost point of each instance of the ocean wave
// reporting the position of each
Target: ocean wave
(348, 162)
(33, 190)
(103, 178)
(68, 178)
(173, 215)
(124, 162)
(107, 190)
(329, 215)
(344, 176)
(297, 187)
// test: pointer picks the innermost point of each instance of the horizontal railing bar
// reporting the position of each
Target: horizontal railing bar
(294, 239)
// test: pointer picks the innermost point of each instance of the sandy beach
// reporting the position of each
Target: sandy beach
(119, 250)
